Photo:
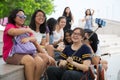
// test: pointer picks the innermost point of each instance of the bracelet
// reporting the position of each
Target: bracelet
(58, 62)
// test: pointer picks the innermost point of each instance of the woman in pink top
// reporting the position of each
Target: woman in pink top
(34, 64)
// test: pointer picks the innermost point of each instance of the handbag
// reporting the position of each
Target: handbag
(22, 48)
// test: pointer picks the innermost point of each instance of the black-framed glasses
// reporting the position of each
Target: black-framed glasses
(78, 34)
(21, 16)
(40, 16)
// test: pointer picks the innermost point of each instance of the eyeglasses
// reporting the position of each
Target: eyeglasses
(21, 16)
(40, 16)
(78, 34)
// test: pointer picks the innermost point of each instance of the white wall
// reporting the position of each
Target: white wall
(108, 9)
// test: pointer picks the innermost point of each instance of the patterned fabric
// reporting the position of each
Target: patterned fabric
(22, 48)
(84, 53)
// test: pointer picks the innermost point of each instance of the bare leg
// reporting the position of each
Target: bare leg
(45, 59)
(29, 64)
(104, 64)
(39, 67)
(50, 50)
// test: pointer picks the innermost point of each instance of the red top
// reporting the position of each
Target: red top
(7, 40)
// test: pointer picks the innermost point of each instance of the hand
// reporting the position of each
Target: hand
(70, 59)
(24, 40)
(59, 48)
(62, 63)
(51, 61)
(60, 40)
(82, 20)
(29, 30)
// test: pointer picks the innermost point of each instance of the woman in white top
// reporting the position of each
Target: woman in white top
(58, 34)
(41, 31)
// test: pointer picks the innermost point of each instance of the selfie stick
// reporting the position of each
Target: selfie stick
(93, 32)
(99, 26)
(100, 23)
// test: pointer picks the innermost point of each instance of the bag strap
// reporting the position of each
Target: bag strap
(76, 51)
(87, 39)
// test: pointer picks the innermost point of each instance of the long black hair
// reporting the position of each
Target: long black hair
(94, 41)
(32, 25)
(65, 14)
(12, 16)
(70, 33)
(51, 23)
(89, 11)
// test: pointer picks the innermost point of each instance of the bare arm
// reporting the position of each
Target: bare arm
(39, 48)
(72, 21)
(15, 31)
(83, 67)
(47, 38)
(31, 39)
(92, 11)
(57, 42)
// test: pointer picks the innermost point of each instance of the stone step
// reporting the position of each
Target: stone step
(109, 40)
(109, 43)
(111, 49)
(1, 46)
(11, 72)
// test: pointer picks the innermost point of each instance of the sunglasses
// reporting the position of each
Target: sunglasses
(22, 16)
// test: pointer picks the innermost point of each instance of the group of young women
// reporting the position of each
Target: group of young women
(47, 36)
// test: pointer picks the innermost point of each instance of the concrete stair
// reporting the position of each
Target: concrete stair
(109, 43)
(11, 72)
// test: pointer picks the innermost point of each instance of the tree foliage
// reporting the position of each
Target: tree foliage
(29, 6)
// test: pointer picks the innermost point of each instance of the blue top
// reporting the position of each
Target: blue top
(51, 39)
(89, 24)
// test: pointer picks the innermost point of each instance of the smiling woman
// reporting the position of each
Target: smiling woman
(78, 7)
(75, 60)
(15, 27)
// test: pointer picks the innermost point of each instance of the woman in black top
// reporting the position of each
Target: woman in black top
(72, 65)
(69, 17)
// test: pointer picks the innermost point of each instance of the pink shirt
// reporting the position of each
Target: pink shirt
(7, 40)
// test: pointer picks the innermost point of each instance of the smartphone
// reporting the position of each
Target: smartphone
(100, 22)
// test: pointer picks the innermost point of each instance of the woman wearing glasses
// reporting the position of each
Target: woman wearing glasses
(41, 31)
(33, 64)
(73, 63)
